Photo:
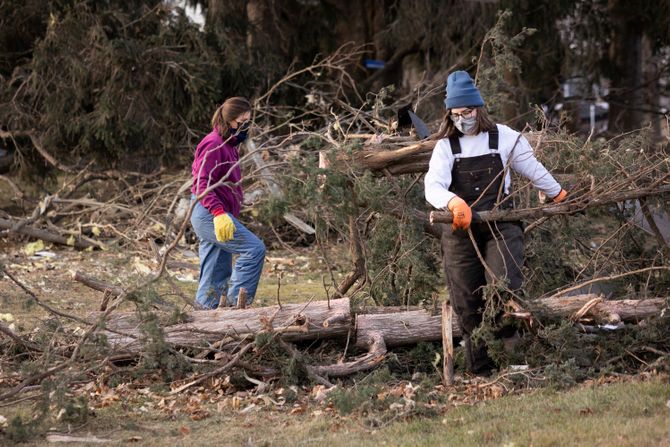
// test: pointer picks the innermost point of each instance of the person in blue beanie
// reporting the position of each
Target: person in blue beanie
(469, 171)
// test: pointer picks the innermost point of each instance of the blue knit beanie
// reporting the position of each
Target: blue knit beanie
(461, 91)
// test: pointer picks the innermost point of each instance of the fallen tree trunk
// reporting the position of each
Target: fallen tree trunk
(630, 311)
(401, 328)
(403, 155)
(375, 332)
(397, 326)
(295, 322)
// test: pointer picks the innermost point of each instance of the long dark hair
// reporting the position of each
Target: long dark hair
(230, 110)
(448, 128)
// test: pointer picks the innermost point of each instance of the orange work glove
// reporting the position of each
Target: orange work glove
(561, 196)
(462, 213)
(558, 199)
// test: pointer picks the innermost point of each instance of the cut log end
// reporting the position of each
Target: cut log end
(339, 318)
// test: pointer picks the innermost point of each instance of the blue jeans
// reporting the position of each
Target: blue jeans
(216, 259)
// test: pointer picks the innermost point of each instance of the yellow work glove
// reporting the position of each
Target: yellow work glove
(462, 213)
(223, 227)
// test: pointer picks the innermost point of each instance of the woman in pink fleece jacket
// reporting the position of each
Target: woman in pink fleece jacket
(217, 186)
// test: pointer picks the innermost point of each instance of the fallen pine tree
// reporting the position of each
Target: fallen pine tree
(375, 330)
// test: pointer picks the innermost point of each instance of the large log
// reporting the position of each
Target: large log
(375, 332)
(628, 310)
(403, 328)
(305, 321)
(403, 155)
(397, 326)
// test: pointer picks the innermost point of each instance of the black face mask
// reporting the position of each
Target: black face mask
(240, 134)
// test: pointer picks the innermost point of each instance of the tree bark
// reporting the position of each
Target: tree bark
(410, 327)
(447, 343)
(401, 328)
(376, 353)
(630, 311)
(294, 321)
(376, 332)
(403, 155)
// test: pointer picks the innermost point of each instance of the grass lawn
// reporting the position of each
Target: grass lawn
(622, 414)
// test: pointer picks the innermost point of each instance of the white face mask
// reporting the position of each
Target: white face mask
(465, 125)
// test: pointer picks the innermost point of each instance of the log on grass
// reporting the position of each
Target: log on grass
(405, 328)
(295, 322)
(375, 332)
(401, 328)
(630, 311)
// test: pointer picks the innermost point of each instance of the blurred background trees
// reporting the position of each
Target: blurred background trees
(117, 80)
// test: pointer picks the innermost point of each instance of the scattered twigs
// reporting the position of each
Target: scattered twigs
(36, 233)
(18, 339)
(376, 353)
(604, 278)
(330, 269)
(97, 284)
(356, 249)
(279, 277)
(311, 370)
(662, 243)
(46, 155)
(38, 301)
(17, 192)
(217, 371)
(168, 278)
(35, 378)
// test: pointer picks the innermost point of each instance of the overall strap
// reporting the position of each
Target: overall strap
(493, 139)
(455, 145)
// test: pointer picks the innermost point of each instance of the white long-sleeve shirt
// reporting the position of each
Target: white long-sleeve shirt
(519, 158)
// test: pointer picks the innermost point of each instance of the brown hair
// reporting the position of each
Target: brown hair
(230, 110)
(448, 128)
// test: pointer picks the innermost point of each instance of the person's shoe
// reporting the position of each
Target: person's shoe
(477, 360)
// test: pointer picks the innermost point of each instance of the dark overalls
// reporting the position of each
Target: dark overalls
(478, 180)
